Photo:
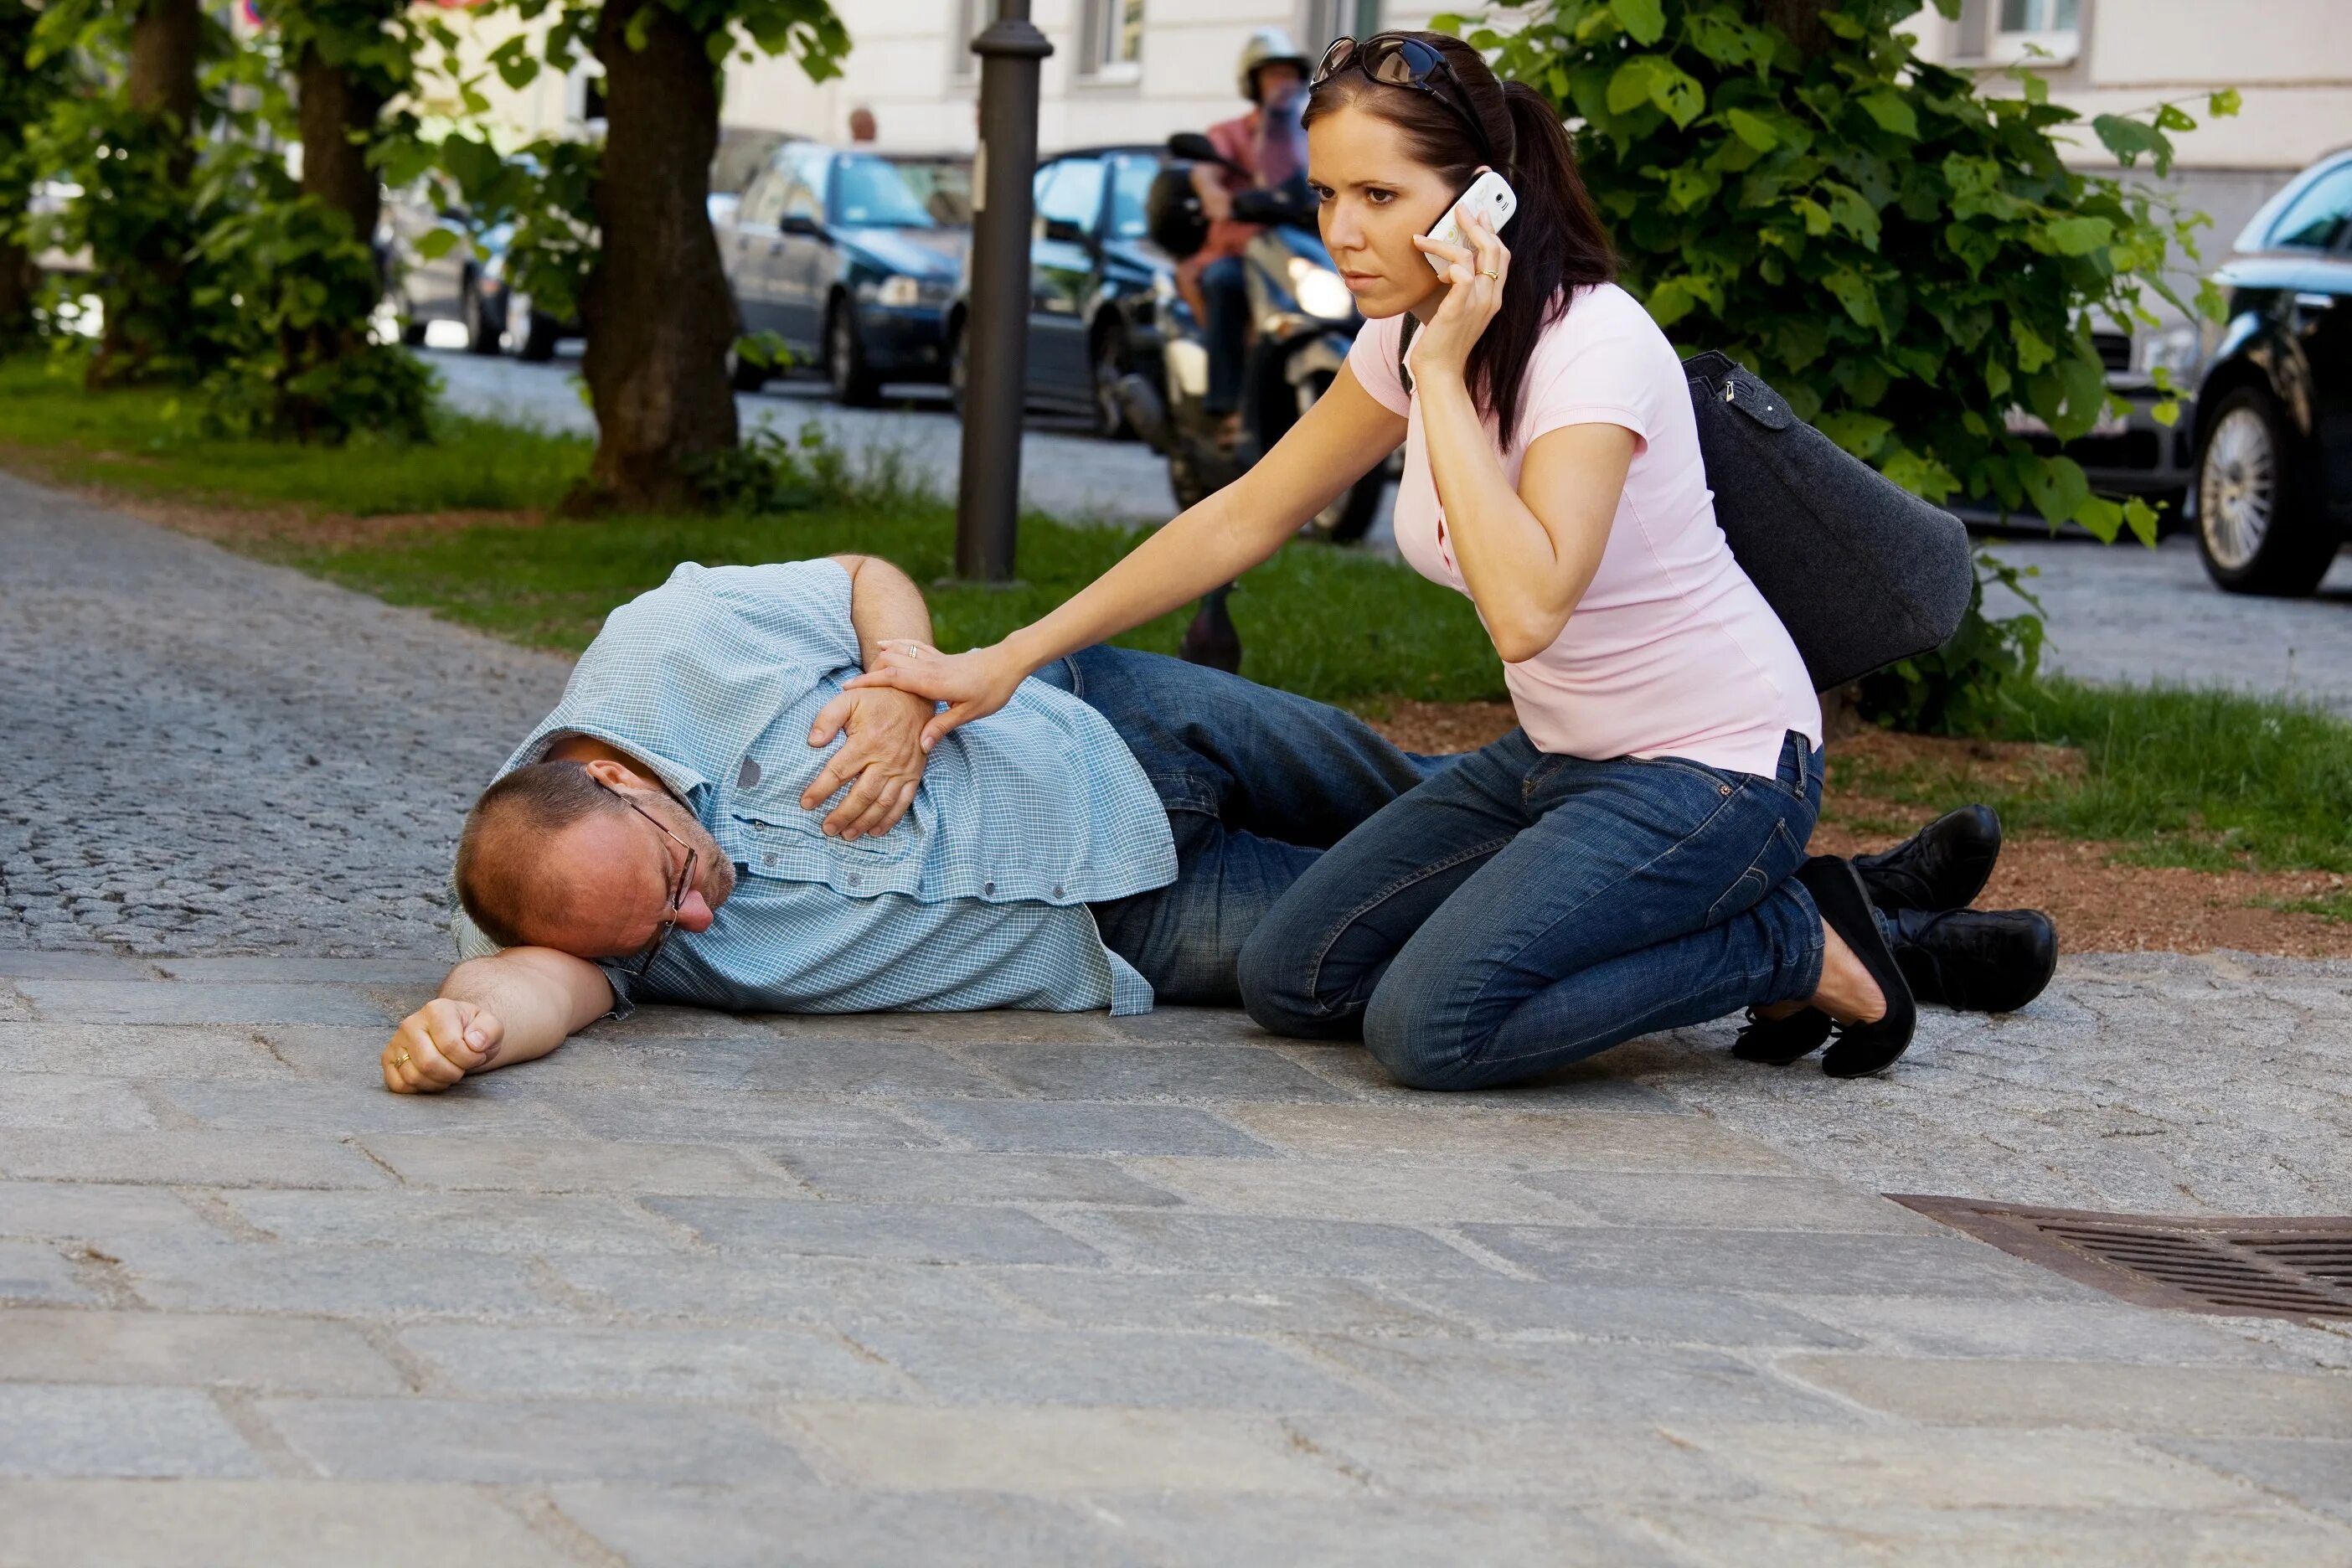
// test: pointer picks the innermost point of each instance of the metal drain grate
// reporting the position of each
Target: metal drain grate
(2240, 1266)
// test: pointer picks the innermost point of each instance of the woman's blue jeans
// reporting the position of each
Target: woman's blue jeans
(1519, 911)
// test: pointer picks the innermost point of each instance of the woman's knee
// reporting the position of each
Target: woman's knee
(1418, 1040)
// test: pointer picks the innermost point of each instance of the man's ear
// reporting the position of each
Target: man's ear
(605, 771)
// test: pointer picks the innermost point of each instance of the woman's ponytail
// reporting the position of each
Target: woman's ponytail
(1558, 245)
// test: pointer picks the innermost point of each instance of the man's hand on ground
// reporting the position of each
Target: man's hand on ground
(439, 1044)
(884, 754)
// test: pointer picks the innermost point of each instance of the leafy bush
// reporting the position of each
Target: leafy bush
(1905, 256)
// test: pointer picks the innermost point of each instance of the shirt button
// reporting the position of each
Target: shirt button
(767, 859)
(988, 887)
(1057, 890)
(853, 878)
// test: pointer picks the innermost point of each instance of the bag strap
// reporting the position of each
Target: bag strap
(1405, 342)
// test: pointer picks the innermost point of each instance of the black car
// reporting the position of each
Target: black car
(2273, 426)
(1096, 283)
(842, 255)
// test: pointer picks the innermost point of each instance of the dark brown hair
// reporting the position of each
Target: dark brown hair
(500, 879)
(1556, 238)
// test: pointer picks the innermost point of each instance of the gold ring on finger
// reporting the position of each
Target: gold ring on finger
(401, 1061)
(1493, 275)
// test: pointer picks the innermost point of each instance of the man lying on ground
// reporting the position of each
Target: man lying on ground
(709, 819)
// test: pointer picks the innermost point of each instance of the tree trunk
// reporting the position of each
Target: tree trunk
(339, 115)
(19, 285)
(1801, 21)
(160, 89)
(658, 315)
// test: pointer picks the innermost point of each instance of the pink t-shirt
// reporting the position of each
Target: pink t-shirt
(1672, 651)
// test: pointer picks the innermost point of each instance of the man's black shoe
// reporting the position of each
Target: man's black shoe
(1944, 865)
(1978, 960)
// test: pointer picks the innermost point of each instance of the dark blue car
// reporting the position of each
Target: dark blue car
(850, 258)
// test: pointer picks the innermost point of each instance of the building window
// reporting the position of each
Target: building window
(2040, 16)
(1110, 41)
(1324, 20)
(971, 19)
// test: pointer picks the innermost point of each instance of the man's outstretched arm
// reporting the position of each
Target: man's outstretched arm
(513, 1006)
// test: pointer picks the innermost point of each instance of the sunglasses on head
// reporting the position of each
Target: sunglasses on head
(1398, 60)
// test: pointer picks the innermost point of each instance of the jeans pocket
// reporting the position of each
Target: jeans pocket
(1781, 856)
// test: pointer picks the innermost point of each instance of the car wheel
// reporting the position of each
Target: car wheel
(2255, 528)
(539, 338)
(845, 358)
(482, 334)
(412, 330)
(1110, 367)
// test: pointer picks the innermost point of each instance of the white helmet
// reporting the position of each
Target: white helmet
(1267, 47)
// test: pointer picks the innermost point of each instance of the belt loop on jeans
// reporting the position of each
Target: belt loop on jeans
(1795, 746)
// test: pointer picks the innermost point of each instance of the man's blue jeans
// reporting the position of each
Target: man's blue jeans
(1257, 784)
(1225, 284)
(1519, 911)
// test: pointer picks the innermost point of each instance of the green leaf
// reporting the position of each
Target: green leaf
(1669, 301)
(2033, 351)
(1921, 474)
(1816, 217)
(2130, 140)
(1751, 130)
(437, 243)
(1629, 88)
(2078, 236)
(2224, 103)
(1644, 20)
(1851, 213)
(1843, 25)
(1892, 114)
(2142, 518)
(1854, 291)
(1861, 434)
(2056, 486)
(1677, 93)
(2100, 517)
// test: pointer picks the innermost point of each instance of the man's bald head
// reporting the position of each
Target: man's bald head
(505, 879)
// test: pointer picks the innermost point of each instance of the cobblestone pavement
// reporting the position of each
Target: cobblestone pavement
(1018, 1289)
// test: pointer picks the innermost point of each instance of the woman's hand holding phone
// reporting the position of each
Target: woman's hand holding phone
(1475, 272)
(973, 685)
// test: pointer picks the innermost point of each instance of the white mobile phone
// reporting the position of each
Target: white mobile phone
(1491, 197)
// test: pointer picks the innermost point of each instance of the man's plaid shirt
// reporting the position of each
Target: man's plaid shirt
(976, 898)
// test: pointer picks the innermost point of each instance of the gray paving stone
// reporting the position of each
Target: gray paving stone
(2217, 1401)
(1564, 1463)
(724, 1526)
(1523, 1380)
(1590, 1085)
(96, 1214)
(788, 1289)
(1370, 1532)
(1244, 1304)
(1430, 1132)
(411, 973)
(18, 963)
(506, 1162)
(897, 1068)
(1639, 1314)
(516, 1441)
(355, 1104)
(202, 1159)
(907, 1232)
(64, 1429)
(1328, 1189)
(479, 1222)
(1961, 1469)
(36, 1272)
(291, 1355)
(2311, 1473)
(677, 1116)
(1158, 1074)
(586, 1359)
(1893, 1535)
(919, 1177)
(1741, 1203)
(137, 1050)
(159, 1001)
(1064, 1127)
(1238, 1244)
(2048, 1331)
(905, 1448)
(1794, 1262)
(206, 1276)
(263, 1524)
(972, 1364)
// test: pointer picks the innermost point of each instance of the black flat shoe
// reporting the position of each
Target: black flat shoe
(1944, 865)
(1861, 1048)
(1777, 1042)
(1978, 960)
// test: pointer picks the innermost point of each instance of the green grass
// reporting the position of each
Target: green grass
(1330, 623)
(2205, 779)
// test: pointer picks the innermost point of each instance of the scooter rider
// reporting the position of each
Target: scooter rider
(1268, 150)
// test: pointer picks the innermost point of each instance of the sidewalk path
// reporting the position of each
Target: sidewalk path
(1016, 1289)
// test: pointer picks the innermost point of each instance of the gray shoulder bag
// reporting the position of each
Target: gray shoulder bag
(1862, 572)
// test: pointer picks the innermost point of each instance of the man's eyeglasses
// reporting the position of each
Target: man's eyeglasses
(679, 890)
(1395, 59)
